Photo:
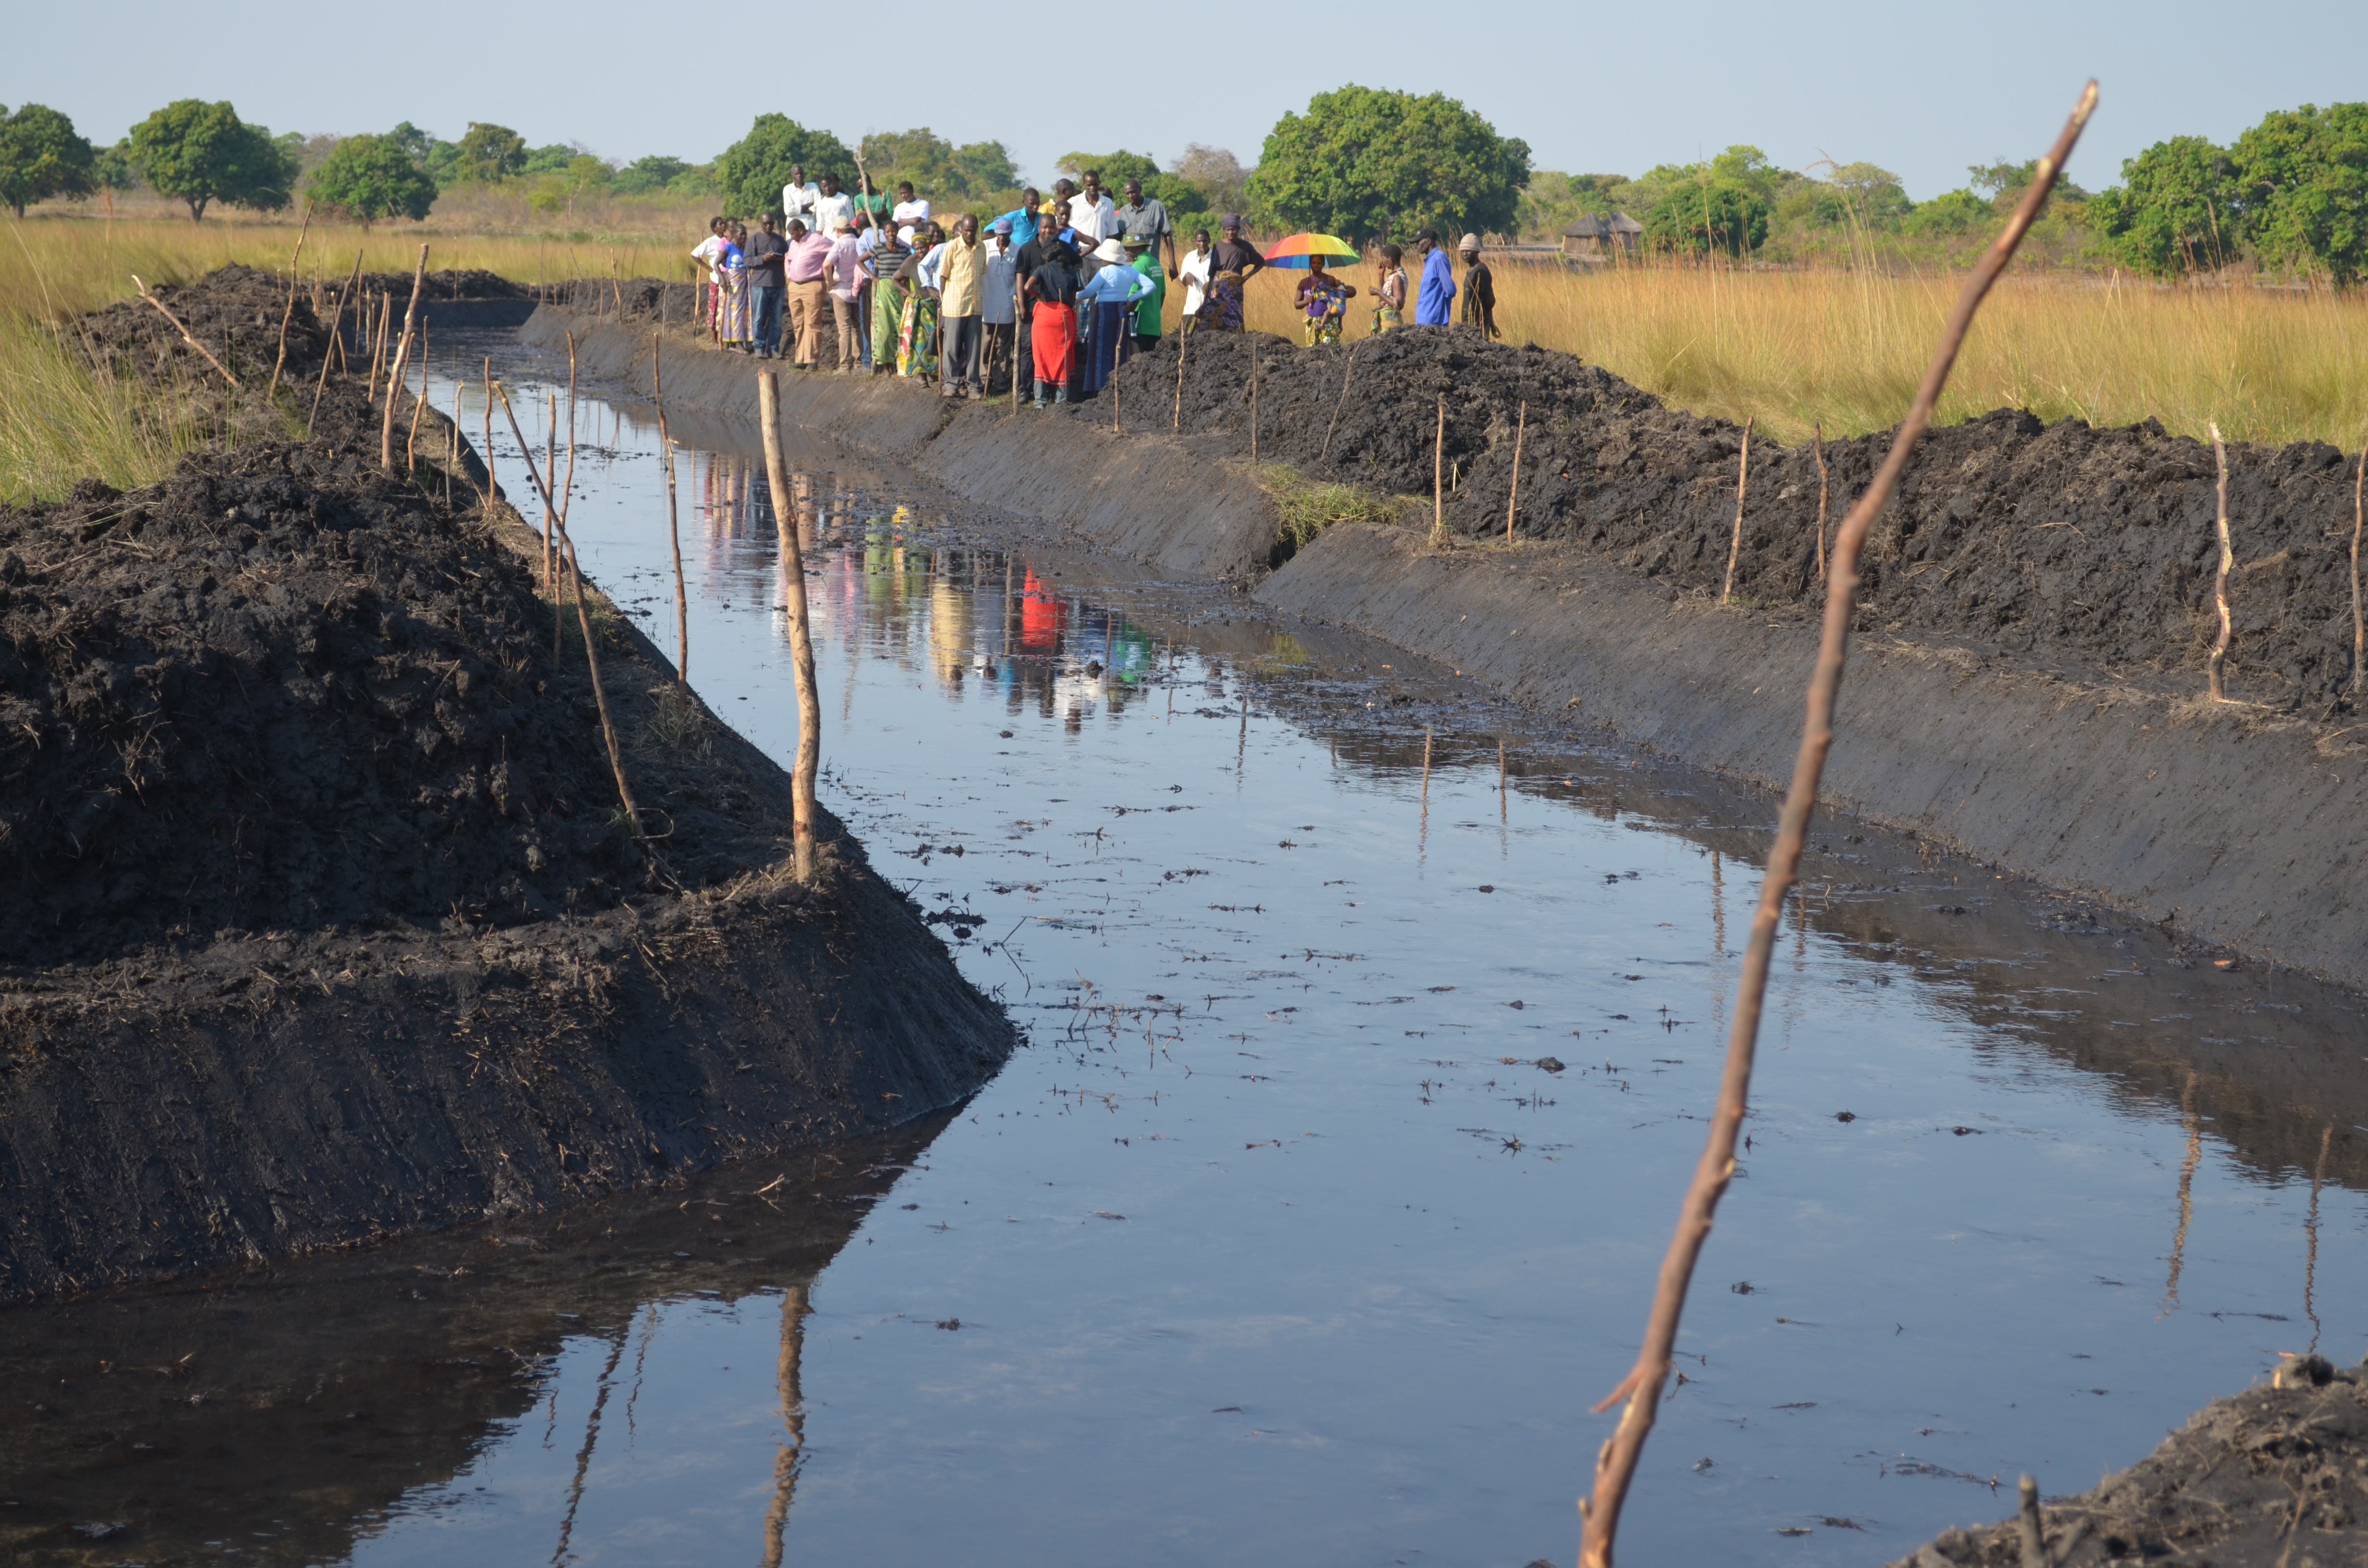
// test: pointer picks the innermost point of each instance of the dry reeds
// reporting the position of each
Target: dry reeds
(1616, 1463)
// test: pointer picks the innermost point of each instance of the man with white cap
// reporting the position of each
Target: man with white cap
(1479, 288)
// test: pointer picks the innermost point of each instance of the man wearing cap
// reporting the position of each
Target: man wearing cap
(1438, 287)
(997, 310)
(1479, 288)
(1146, 219)
(1147, 308)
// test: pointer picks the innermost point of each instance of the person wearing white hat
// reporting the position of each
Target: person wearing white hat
(1105, 304)
(1479, 288)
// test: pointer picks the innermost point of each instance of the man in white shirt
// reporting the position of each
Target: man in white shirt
(910, 210)
(798, 198)
(834, 210)
(709, 254)
(1092, 213)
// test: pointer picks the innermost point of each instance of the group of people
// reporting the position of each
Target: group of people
(1060, 292)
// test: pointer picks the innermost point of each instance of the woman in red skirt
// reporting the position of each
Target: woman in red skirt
(1054, 287)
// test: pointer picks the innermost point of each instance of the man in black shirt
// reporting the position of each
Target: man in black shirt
(767, 285)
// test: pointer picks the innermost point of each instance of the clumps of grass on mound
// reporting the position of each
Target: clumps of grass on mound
(1306, 507)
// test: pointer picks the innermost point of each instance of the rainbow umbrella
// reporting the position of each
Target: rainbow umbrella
(1304, 249)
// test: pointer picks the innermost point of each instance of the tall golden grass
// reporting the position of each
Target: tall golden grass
(1789, 349)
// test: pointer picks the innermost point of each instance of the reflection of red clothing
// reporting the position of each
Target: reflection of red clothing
(1041, 614)
(1056, 334)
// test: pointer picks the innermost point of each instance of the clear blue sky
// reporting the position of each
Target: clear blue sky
(1923, 90)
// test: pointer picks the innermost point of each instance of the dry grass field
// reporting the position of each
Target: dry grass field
(1791, 349)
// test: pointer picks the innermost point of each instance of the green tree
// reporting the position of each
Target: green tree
(372, 178)
(2006, 183)
(202, 152)
(1216, 172)
(1953, 213)
(2303, 175)
(1365, 163)
(1722, 215)
(551, 159)
(40, 155)
(1179, 195)
(2177, 210)
(1862, 194)
(644, 175)
(751, 171)
(489, 153)
(938, 168)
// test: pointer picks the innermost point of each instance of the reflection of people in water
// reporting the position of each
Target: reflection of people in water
(1042, 617)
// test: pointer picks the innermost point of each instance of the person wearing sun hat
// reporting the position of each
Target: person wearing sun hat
(1110, 295)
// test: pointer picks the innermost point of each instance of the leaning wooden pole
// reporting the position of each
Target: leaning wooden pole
(2359, 629)
(1616, 1464)
(1817, 435)
(337, 329)
(1346, 371)
(794, 598)
(600, 697)
(1735, 543)
(1513, 501)
(288, 313)
(674, 526)
(402, 355)
(2227, 559)
(184, 331)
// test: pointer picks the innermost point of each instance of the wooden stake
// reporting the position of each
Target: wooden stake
(1253, 399)
(402, 358)
(1346, 371)
(2033, 1541)
(2227, 559)
(336, 341)
(493, 485)
(1438, 477)
(1521, 428)
(453, 445)
(674, 528)
(809, 759)
(1183, 344)
(377, 345)
(550, 472)
(1117, 424)
(599, 696)
(1819, 431)
(271, 389)
(1735, 545)
(418, 406)
(2358, 642)
(567, 488)
(1616, 1462)
(182, 330)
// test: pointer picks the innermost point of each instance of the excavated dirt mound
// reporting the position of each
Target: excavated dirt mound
(281, 691)
(235, 312)
(2064, 542)
(2276, 1477)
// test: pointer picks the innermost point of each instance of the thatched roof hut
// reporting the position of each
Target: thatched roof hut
(1600, 239)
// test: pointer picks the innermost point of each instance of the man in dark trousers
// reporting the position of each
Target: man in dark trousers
(1479, 288)
(767, 286)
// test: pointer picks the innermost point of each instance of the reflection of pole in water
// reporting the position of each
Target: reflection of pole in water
(793, 1423)
(1717, 907)
(1422, 833)
(1242, 742)
(2186, 1195)
(584, 1454)
(2310, 1229)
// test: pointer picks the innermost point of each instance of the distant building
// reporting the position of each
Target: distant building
(1601, 239)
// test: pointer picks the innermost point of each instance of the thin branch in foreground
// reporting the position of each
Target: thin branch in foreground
(1616, 1464)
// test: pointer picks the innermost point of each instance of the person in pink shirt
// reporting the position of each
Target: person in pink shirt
(809, 257)
(845, 273)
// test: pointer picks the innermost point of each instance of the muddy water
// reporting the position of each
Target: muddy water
(1366, 1061)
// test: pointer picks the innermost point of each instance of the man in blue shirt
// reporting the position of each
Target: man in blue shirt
(1438, 283)
(1022, 219)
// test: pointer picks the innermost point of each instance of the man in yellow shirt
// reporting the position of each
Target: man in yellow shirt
(961, 281)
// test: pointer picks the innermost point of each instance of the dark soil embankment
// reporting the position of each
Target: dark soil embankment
(2076, 545)
(2276, 1477)
(320, 916)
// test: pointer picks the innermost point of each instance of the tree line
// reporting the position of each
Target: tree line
(1363, 163)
